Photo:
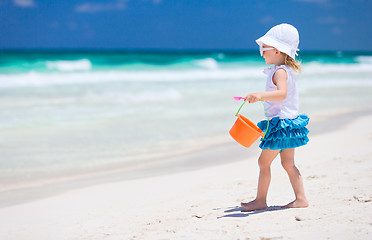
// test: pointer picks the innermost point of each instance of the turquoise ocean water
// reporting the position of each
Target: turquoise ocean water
(73, 112)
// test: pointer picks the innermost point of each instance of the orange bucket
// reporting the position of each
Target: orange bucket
(244, 131)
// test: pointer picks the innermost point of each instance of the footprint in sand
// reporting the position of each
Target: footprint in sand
(362, 199)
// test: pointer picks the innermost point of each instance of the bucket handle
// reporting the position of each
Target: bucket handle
(267, 115)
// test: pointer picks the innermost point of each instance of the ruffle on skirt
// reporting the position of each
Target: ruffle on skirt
(285, 133)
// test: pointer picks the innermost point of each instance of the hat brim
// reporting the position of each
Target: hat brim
(276, 44)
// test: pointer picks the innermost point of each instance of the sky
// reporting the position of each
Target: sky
(325, 25)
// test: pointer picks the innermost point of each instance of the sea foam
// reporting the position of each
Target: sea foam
(69, 66)
(213, 73)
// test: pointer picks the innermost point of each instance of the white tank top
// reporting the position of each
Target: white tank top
(287, 108)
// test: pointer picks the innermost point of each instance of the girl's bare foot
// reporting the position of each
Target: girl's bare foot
(253, 205)
(297, 204)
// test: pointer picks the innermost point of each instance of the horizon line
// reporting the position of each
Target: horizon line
(163, 50)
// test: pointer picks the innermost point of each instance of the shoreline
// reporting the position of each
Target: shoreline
(204, 203)
(205, 157)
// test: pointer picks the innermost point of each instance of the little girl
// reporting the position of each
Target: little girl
(287, 129)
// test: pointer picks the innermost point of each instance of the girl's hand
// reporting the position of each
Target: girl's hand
(253, 97)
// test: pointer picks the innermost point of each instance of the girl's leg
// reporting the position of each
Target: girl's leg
(266, 158)
(287, 157)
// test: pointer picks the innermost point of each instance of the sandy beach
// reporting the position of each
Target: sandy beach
(205, 203)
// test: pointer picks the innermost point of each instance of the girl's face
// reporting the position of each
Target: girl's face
(269, 55)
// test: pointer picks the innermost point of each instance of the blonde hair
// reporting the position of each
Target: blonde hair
(295, 65)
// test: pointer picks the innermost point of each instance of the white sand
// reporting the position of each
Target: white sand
(204, 204)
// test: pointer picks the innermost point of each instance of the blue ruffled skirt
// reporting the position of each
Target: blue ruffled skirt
(285, 133)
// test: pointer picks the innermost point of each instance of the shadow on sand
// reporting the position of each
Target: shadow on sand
(241, 212)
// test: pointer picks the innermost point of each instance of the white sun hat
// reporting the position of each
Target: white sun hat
(283, 37)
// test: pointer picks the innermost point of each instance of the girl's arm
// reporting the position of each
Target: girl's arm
(280, 80)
